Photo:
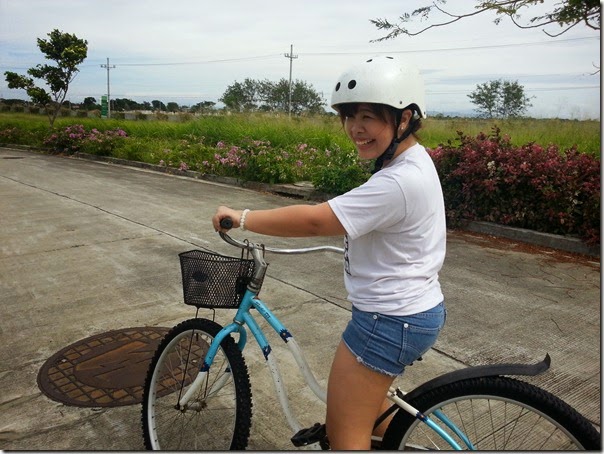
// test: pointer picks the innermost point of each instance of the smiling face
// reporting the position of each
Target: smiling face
(370, 126)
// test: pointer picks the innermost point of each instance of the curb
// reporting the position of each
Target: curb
(305, 191)
(560, 242)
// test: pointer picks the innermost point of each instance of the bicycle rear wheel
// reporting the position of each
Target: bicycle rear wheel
(495, 413)
(219, 417)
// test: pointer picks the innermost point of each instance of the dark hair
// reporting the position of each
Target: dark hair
(384, 112)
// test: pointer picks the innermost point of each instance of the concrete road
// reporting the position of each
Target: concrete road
(87, 248)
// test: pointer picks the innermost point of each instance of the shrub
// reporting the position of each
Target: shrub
(338, 171)
(544, 189)
(68, 140)
(102, 143)
(257, 160)
(9, 135)
(75, 138)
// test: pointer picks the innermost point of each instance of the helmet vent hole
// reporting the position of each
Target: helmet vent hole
(337, 86)
(352, 84)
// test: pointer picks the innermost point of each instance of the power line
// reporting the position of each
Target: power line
(366, 52)
(576, 87)
(448, 49)
(564, 88)
(203, 62)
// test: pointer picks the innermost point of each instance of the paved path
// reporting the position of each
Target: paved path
(87, 247)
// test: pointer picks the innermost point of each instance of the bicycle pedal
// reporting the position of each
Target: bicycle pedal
(311, 435)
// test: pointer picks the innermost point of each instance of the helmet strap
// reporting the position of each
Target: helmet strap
(389, 153)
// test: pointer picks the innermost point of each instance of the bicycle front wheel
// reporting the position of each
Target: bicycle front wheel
(219, 416)
(493, 413)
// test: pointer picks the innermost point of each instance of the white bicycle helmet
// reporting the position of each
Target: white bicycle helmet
(381, 80)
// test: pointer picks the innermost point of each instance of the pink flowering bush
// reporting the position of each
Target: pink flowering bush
(75, 138)
(102, 143)
(67, 140)
(257, 160)
(544, 189)
(9, 135)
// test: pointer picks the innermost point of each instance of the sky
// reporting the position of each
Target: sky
(188, 51)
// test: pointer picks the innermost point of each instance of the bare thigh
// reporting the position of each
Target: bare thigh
(355, 395)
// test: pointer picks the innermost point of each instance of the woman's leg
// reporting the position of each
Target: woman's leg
(355, 395)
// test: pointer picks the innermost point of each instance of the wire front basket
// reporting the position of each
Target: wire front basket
(214, 281)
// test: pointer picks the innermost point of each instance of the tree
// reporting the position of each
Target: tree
(158, 105)
(267, 96)
(305, 99)
(68, 51)
(565, 13)
(90, 103)
(500, 99)
(203, 106)
(172, 106)
(242, 97)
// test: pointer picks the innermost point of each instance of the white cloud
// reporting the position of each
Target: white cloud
(327, 37)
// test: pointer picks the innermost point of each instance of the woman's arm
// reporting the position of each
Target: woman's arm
(291, 221)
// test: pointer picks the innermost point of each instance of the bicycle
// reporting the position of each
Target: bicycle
(197, 393)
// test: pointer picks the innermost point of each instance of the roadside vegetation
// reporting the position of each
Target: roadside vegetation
(542, 175)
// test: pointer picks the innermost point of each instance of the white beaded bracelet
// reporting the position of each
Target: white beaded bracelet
(242, 219)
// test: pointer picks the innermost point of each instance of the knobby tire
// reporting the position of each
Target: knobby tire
(219, 417)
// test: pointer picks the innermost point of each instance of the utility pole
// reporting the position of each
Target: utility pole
(291, 57)
(108, 92)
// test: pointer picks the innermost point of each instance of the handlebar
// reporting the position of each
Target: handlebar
(227, 223)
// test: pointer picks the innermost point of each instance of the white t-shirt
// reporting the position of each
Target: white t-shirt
(396, 237)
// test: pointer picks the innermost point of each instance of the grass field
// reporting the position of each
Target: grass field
(319, 132)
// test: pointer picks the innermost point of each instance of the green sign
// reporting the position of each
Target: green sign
(104, 106)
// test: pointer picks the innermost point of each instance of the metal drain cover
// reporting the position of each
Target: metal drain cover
(106, 370)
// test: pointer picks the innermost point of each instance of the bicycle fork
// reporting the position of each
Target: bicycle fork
(205, 367)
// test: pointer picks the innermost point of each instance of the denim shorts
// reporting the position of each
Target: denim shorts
(386, 343)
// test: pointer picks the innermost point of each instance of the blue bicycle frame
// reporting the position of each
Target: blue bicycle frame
(244, 317)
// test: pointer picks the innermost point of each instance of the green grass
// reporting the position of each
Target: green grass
(321, 132)
(563, 133)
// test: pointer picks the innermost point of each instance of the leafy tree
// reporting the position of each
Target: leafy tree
(565, 13)
(264, 95)
(90, 103)
(13, 102)
(122, 104)
(68, 51)
(203, 106)
(500, 99)
(158, 105)
(172, 107)
(305, 99)
(242, 97)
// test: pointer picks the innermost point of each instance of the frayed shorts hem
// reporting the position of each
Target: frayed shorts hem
(367, 365)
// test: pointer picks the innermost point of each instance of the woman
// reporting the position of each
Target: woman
(394, 228)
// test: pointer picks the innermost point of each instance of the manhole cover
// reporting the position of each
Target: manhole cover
(106, 370)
